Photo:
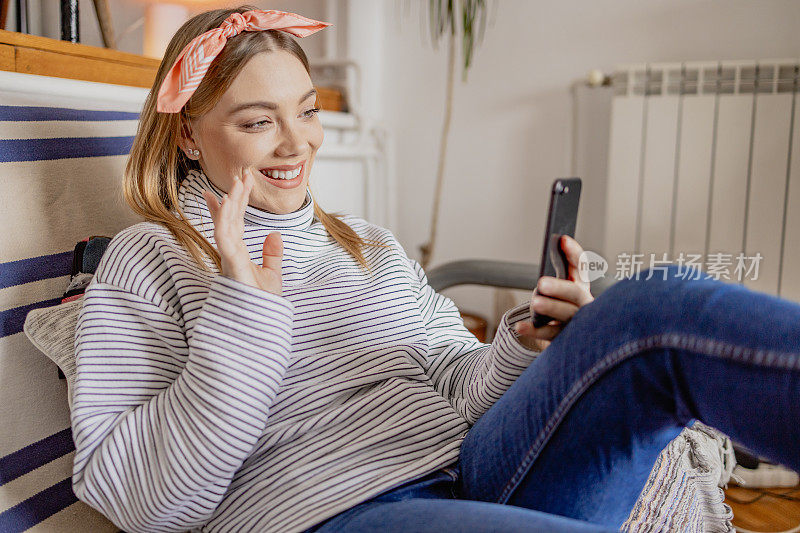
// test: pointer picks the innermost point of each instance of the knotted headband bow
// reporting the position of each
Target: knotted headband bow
(193, 62)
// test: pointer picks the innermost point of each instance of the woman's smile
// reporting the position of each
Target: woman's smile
(285, 176)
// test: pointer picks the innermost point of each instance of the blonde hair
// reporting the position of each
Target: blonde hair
(156, 164)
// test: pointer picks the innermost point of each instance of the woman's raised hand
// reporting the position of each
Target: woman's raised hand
(228, 217)
(557, 298)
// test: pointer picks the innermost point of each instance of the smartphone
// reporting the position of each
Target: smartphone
(562, 217)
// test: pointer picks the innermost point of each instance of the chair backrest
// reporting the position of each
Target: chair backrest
(63, 147)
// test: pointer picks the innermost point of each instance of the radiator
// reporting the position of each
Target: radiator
(704, 170)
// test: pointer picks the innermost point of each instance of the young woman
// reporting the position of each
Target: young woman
(248, 362)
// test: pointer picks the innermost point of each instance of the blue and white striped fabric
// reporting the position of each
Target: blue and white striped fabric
(63, 146)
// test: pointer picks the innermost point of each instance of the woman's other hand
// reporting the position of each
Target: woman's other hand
(228, 217)
(557, 298)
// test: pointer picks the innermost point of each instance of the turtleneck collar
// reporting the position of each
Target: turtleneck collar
(193, 203)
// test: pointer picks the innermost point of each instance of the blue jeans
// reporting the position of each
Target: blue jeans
(571, 443)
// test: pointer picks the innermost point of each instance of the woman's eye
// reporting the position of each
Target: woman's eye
(262, 123)
(256, 125)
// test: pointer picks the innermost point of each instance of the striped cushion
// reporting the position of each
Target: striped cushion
(63, 147)
(52, 331)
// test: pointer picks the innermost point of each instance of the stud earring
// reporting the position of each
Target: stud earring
(194, 152)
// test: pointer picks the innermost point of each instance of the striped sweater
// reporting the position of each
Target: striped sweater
(202, 403)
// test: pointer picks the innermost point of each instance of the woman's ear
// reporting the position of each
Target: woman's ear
(185, 140)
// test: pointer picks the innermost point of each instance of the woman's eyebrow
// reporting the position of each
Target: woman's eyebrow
(268, 105)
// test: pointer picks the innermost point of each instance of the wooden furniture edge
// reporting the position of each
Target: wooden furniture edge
(33, 54)
(24, 40)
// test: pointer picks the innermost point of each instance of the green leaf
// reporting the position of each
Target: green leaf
(443, 16)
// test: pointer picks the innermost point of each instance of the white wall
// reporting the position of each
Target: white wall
(511, 122)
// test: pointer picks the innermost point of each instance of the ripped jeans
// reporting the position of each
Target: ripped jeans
(571, 443)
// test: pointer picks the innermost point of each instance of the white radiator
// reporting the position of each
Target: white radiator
(704, 161)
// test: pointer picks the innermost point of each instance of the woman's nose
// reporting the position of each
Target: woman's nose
(290, 142)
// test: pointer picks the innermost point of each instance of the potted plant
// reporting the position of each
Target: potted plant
(464, 21)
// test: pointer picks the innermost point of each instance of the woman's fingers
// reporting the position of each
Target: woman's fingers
(234, 202)
(272, 252)
(235, 205)
(547, 332)
(247, 186)
(211, 201)
(573, 251)
(228, 217)
(243, 184)
(247, 179)
(557, 298)
(557, 309)
(563, 289)
(238, 201)
(235, 197)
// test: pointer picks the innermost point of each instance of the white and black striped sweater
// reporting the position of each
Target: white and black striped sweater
(204, 403)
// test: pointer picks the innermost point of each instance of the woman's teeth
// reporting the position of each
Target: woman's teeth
(282, 174)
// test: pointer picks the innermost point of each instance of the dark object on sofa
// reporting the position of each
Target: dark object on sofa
(745, 457)
(85, 258)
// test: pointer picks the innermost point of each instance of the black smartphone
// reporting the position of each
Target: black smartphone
(562, 217)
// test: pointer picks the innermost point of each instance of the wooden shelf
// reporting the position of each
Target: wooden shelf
(32, 54)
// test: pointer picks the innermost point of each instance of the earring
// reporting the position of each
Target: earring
(194, 152)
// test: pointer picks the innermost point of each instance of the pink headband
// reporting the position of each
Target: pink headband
(193, 62)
